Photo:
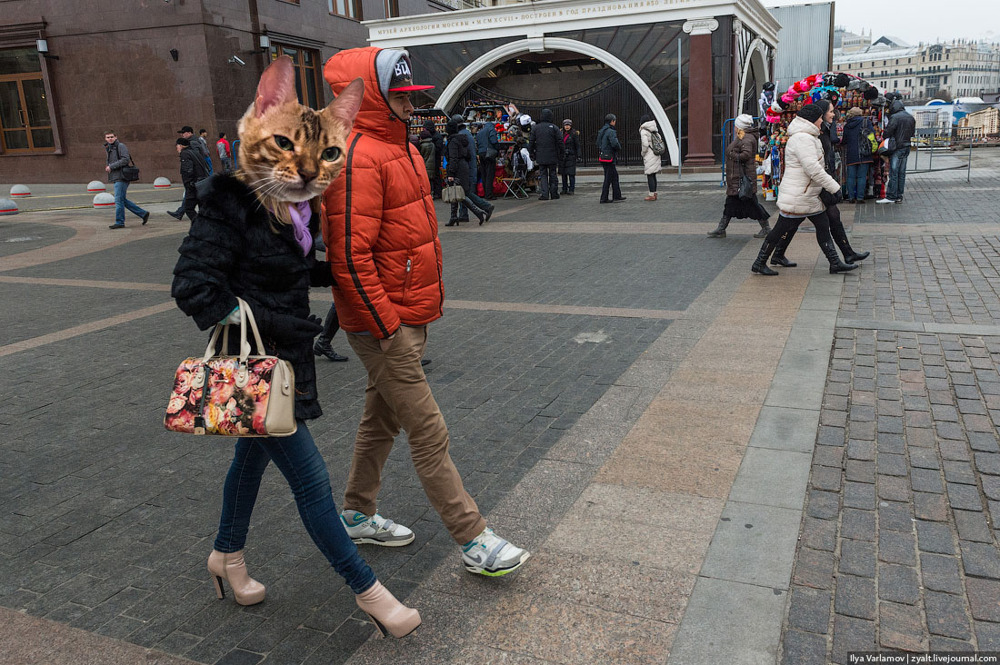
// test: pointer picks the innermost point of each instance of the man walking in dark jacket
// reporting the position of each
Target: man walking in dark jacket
(193, 171)
(900, 128)
(487, 149)
(118, 157)
(608, 148)
(544, 147)
(201, 151)
(438, 140)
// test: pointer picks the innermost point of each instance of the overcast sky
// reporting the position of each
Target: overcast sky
(917, 20)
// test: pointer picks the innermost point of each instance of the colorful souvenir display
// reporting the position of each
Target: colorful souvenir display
(844, 91)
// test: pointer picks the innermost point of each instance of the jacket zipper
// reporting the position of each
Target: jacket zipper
(430, 225)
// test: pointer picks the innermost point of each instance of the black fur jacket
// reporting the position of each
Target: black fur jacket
(232, 250)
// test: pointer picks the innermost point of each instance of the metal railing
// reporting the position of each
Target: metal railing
(943, 142)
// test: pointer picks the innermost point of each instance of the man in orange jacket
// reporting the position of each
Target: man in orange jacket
(382, 243)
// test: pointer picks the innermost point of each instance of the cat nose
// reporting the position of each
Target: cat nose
(307, 175)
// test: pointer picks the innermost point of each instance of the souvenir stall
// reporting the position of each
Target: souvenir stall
(505, 119)
(845, 91)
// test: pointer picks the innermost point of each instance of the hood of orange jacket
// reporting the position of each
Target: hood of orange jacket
(375, 118)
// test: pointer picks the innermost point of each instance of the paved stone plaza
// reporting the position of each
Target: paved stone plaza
(708, 466)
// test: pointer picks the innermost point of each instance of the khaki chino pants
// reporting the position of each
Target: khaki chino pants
(397, 396)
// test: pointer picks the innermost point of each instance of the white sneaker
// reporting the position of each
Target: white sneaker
(886, 201)
(375, 530)
(486, 554)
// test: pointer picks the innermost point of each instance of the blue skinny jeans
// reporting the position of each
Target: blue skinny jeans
(301, 464)
(122, 202)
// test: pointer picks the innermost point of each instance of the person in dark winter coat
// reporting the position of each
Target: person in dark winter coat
(608, 148)
(827, 138)
(545, 147)
(118, 158)
(856, 130)
(438, 141)
(570, 152)
(193, 171)
(463, 210)
(460, 153)
(900, 128)
(487, 149)
(740, 163)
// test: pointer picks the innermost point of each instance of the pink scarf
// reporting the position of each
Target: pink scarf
(301, 213)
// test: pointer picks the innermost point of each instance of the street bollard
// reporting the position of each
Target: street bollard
(8, 207)
(95, 186)
(104, 200)
(20, 191)
(161, 183)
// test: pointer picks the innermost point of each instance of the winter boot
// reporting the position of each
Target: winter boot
(778, 258)
(764, 229)
(720, 230)
(840, 237)
(760, 265)
(836, 265)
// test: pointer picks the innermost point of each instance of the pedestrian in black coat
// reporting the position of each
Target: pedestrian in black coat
(436, 182)
(236, 249)
(193, 171)
(567, 158)
(545, 147)
(460, 154)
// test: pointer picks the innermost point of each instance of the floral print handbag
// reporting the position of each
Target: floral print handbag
(241, 395)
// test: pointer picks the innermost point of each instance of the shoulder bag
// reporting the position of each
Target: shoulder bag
(129, 173)
(244, 395)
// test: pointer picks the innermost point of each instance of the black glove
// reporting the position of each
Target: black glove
(829, 199)
(289, 328)
(320, 274)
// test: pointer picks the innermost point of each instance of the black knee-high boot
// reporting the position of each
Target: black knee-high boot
(720, 230)
(778, 258)
(836, 265)
(453, 221)
(840, 237)
(760, 265)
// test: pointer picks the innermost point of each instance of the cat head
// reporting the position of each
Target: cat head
(290, 152)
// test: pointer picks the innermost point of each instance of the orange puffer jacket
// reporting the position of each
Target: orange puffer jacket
(379, 222)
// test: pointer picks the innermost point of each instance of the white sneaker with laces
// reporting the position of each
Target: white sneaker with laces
(375, 530)
(487, 554)
(886, 201)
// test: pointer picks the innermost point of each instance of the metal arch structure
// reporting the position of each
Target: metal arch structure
(471, 72)
(754, 51)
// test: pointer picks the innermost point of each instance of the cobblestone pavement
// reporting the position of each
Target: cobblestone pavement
(106, 519)
(898, 544)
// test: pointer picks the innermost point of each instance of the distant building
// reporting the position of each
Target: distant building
(980, 124)
(846, 41)
(944, 70)
(806, 38)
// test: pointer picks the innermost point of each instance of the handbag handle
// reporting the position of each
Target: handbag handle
(246, 319)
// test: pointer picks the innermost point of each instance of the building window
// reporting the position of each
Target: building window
(305, 62)
(391, 8)
(346, 8)
(25, 125)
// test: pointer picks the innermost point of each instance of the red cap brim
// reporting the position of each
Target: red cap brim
(411, 88)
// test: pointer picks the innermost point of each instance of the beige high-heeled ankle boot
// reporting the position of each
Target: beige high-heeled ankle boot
(233, 569)
(389, 615)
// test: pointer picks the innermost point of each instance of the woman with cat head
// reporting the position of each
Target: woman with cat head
(253, 239)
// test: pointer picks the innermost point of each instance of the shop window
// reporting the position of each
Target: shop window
(305, 62)
(25, 125)
(346, 8)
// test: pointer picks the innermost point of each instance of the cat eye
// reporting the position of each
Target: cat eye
(283, 142)
(331, 154)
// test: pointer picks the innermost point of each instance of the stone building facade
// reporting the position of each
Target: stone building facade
(145, 68)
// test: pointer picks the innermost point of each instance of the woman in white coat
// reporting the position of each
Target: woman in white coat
(650, 160)
(805, 178)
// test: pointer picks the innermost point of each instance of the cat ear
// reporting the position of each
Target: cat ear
(347, 104)
(276, 87)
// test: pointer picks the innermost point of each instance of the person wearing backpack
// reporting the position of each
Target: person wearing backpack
(651, 140)
(859, 154)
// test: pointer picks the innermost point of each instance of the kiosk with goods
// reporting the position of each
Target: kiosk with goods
(844, 91)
